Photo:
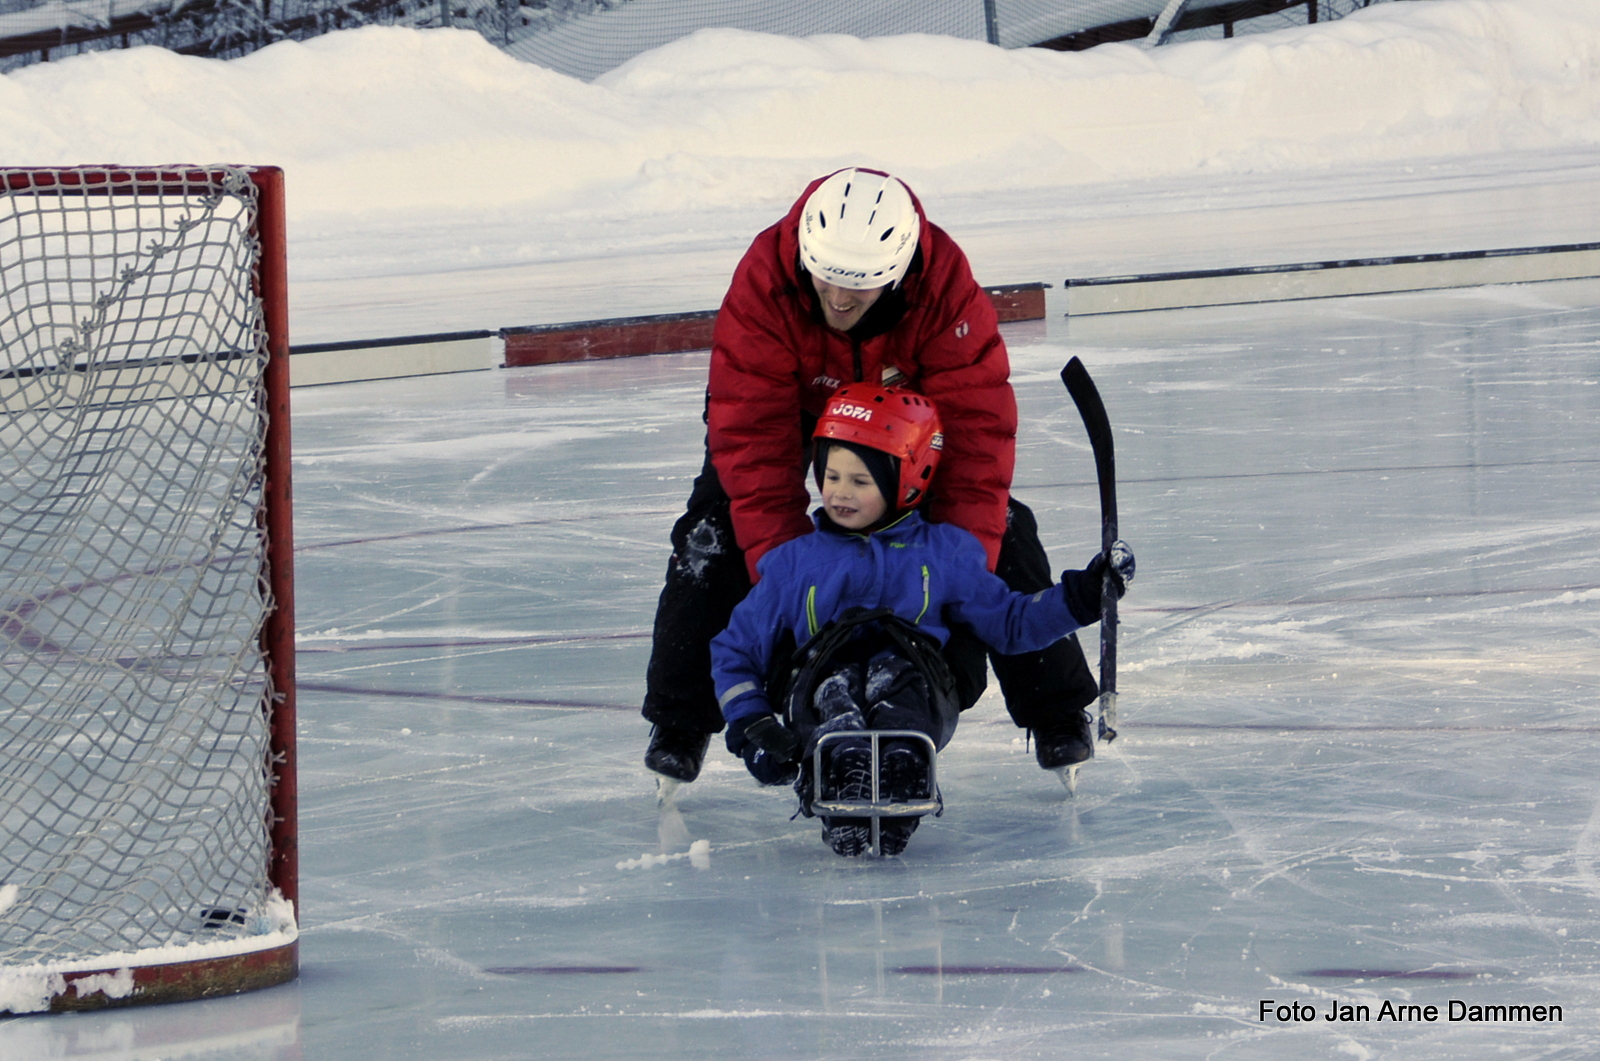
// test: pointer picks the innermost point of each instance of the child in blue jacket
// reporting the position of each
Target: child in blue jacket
(876, 449)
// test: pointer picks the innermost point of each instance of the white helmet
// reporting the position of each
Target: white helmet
(859, 230)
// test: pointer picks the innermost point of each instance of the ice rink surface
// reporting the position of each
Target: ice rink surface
(1358, 764)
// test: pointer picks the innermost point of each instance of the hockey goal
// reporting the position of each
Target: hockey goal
(147, 786)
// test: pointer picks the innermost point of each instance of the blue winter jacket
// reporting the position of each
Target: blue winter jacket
(930, 574)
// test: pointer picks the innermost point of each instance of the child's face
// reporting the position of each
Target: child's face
(849, 492)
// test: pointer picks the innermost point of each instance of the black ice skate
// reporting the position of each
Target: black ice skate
(1066, 747)
(677, 754)
(848, 778)
(903, 777)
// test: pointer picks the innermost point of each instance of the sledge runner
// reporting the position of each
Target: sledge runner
(871, 596)
(853, 285)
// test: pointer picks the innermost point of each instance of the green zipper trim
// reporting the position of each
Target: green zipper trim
(811, 610)
(866, 536)
(918, 620)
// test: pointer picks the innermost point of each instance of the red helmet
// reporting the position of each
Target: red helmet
(897, 422)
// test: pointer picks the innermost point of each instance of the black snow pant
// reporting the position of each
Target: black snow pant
(706, 578)
(869, 685)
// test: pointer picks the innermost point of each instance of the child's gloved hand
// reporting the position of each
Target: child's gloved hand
(770, 752)
(1083, 589)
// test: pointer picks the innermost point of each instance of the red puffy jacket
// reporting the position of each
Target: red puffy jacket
(772, 357)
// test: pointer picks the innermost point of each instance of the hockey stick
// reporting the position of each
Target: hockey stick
(1093, 411)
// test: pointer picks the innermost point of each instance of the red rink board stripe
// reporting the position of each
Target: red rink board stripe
(1401, 974)
(562, 970)
(671, 333)
(549, 344)
(987, 970)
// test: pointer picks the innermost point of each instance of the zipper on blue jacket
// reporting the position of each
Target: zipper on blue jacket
(918, 620)
(811, 610)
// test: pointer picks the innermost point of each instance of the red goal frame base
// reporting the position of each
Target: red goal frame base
(185, 981)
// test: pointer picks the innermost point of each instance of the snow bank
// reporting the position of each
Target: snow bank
(1393, 81)
(431, 151)
(440, 122)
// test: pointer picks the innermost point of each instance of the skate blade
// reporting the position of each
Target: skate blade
(667, 790)
(1069, 777)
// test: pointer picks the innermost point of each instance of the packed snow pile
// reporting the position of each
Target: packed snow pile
(439, 124)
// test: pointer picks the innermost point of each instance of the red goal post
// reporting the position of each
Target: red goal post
(148, 827)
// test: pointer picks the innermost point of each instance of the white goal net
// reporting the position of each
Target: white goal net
(145, 694)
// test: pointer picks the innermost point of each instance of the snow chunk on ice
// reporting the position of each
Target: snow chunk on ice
(699, 856)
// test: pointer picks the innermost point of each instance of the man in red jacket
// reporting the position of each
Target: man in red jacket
(853, 285)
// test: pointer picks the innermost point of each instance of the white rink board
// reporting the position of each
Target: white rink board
(1333, 280)
(393, 359)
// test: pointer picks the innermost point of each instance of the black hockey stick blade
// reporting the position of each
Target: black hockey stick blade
(1086, 396)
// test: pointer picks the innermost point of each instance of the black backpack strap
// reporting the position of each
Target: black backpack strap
(814, 661)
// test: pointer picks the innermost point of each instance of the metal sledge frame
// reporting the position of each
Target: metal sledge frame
(877, 808)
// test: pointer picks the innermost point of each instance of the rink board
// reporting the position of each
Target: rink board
(370, 359)
(1330, 279)
(544, 344)
(672, 333)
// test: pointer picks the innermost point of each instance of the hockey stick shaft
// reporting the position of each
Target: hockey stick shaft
(1087, 398)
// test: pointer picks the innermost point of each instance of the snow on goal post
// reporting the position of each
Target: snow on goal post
(147, 825)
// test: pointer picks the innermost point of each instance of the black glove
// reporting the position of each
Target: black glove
(770, 752)
(1083, 589)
